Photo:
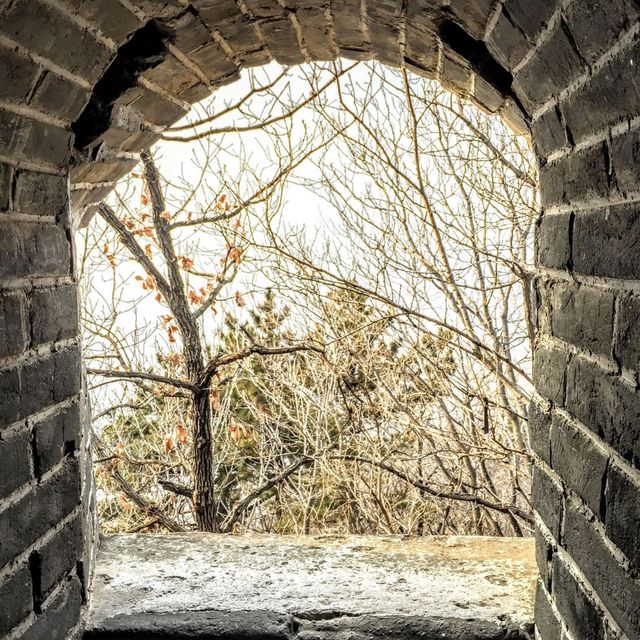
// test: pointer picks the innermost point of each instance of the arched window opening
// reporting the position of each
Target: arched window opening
(308, 310)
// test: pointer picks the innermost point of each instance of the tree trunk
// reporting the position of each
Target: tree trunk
(204, 499)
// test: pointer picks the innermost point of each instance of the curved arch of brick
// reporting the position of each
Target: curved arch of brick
(88, 83)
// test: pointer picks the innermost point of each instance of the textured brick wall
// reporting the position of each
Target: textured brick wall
(86, 83)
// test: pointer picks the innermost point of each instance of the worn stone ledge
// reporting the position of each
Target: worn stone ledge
(312, 588)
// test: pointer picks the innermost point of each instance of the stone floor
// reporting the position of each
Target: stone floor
(210, 586)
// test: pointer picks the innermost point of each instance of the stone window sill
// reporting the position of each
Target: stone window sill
(261, 587)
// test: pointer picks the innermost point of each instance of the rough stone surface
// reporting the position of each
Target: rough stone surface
(312, 587)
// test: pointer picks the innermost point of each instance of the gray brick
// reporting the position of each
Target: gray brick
(15, 599)
(549, 366)
(606, 405)
(625, 161)
(40, 194)
(530, 17)
(605, 242)
(614, 92)
(618, 591)
(582, 316)
(577, 609)
(552, 68)
(13, 323)
(594, 30)
(549, 133)
(627, 346)
(540, 432)
(54, 437)
(15, 461)
(553, 240)
(60, 555)
(23, 522)
(53, 314)
(579, 462)
(547, 623)
(575, 178)
(547, 498)
(623, 513)
(60, 615)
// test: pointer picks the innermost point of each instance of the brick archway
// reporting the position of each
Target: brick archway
(87, 83)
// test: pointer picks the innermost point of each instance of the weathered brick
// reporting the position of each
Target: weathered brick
(507, 42)
(15, 461)
(60, 555)
(67, 373)
(582, 316)
(627, 347)
(19, 74)
(605, 404)
(60, 97)
(580, 463)
(62, 41)
(40, 194)
(54, 437)
(53, 314)
(549, 368)
(617, 589)
(26, 520)
(547, 623)
(13, 323)
(544, 556)
(605, 242)
(15, 599)
(33, 249)
(549, 133)
(6, 182)
(623, 513)
(553, 240)
(577, 609)
(59, 616)
(594, 30)
(9, 396)
(530, 17)
(613, 91)
(575, 178)
(540, 432)
(33, 141)
(547, 498)
(473, 16)
(113, 19)
(554, 65)
(625, 161)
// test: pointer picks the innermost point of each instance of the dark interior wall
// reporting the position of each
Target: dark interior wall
(87, 83)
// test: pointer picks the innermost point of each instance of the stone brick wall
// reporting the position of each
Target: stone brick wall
(87, 83)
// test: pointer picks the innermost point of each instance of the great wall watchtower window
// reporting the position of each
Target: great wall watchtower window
(89, 82)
